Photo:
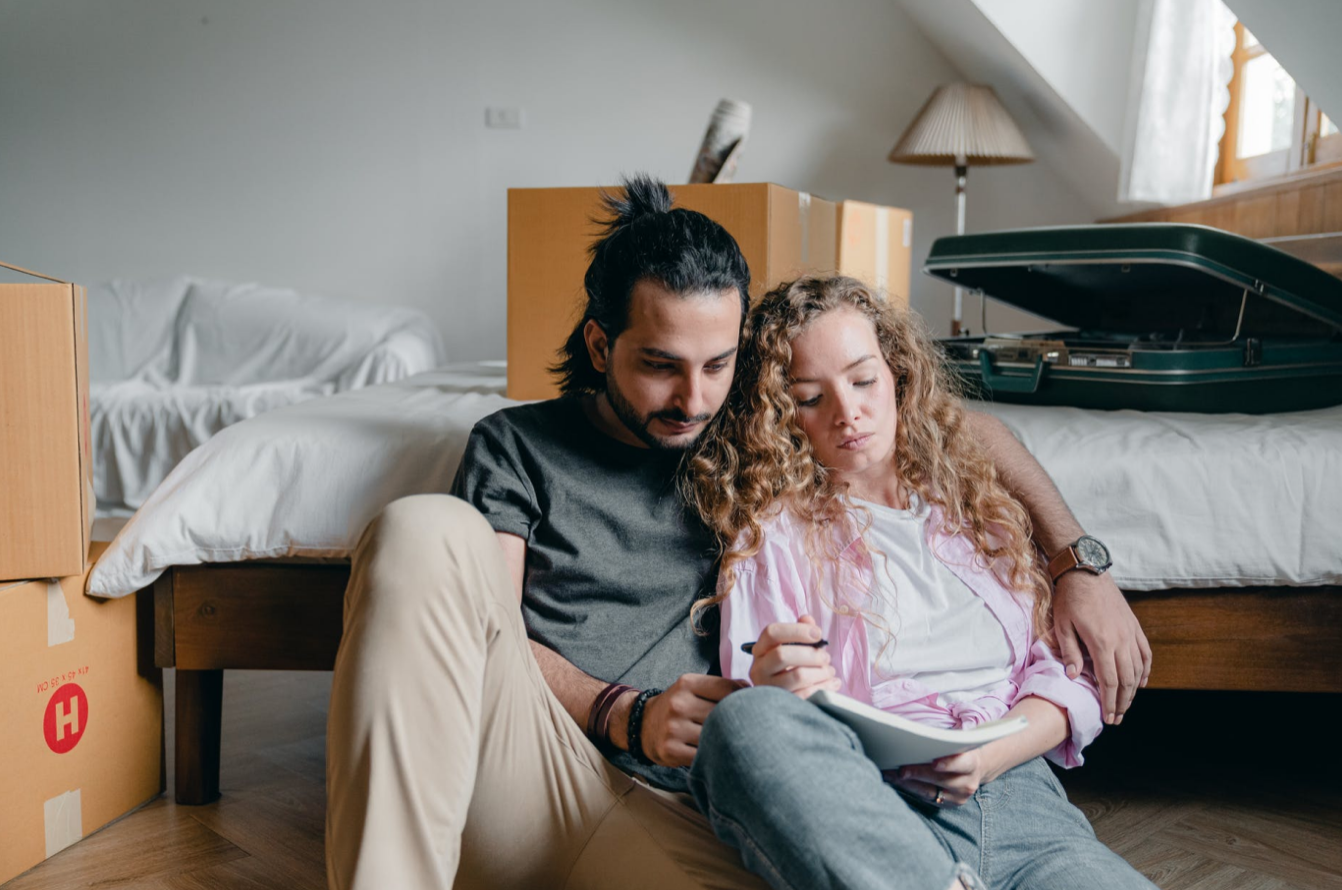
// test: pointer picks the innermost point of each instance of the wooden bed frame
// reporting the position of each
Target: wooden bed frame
(272, 615)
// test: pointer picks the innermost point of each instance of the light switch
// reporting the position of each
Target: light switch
(500, 118)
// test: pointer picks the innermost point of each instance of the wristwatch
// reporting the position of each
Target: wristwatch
(1085, 553)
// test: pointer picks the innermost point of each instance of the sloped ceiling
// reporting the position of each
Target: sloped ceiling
(1058, 135)
(1303, 36)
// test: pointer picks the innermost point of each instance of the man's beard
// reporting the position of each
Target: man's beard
(639, 426)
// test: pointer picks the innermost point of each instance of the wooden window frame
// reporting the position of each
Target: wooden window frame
(1319, 150)
(1307, 151)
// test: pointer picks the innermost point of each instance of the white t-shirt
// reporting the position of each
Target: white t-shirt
(938, 631)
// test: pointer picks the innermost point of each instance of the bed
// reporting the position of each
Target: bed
(1225, 529)
(173, 361)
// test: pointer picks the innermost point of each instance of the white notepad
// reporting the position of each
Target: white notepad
(893, 741)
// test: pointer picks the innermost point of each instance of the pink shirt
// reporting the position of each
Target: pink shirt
(777, 584)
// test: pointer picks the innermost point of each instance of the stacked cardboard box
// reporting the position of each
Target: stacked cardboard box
(81, 704)
(81, 737)
(875, 246)
(782, 233)
(46, 456)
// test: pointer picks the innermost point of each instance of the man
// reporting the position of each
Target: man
(466, 744)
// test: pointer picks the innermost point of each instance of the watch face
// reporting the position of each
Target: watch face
(1091, 552)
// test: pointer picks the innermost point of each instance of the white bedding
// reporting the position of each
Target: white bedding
(1183, 500)
(1198, 500)
(174, 361)
(303, 480)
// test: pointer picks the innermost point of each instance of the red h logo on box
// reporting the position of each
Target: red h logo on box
(66, 717)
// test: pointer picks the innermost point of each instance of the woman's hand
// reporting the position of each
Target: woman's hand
(958, 776)
(954, 778)
(801, 670)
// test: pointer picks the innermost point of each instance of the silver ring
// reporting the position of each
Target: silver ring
(937, 799)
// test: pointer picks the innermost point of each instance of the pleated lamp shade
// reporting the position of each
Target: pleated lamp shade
(962, 124)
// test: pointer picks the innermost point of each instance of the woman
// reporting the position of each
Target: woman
(852, 506)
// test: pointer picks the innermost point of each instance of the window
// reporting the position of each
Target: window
(1271, 127)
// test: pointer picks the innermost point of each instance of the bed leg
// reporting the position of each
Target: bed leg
(200, 701)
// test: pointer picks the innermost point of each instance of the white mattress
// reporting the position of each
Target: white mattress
(1198, 500)
(1182, 500)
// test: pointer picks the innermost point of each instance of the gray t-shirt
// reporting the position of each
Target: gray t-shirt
(614, 558)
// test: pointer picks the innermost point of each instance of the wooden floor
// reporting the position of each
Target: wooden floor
(1235, 810)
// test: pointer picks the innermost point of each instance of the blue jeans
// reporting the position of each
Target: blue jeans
(791, 788)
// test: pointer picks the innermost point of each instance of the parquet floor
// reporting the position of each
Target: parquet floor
(1252, 799)
(1237, 808)
(267, 831)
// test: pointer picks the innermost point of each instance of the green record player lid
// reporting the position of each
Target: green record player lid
(1139, 278)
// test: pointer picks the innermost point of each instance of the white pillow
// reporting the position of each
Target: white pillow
(238, 334)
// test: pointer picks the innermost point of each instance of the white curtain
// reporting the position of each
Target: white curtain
(1177, 98)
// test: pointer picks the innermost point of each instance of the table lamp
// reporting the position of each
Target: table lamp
(961, 124)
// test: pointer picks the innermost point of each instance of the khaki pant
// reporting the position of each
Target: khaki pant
(450, 762)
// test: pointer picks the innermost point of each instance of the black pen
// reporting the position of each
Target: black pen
(749, 648)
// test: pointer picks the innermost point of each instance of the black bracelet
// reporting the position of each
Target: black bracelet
(636, 726)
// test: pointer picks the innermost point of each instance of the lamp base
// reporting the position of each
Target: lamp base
(961, 177)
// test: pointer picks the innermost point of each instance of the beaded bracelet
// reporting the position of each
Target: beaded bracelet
(598, 718)
(636, 726)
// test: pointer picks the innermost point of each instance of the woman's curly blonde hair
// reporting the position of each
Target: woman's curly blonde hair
(755, 459)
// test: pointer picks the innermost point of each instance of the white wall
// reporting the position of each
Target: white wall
(340, 146)
(1083, 48)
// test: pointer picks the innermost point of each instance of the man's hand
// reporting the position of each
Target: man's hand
(1093, 608)
(673, 720)
(801, 670)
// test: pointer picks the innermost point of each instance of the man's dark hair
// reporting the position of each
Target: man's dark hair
(644, 239)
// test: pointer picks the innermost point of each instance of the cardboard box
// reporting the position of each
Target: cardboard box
(46, 456)
(782, 234)
(876, 246)
(81, 715)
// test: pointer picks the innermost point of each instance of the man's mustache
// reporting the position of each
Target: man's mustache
(680, 417)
